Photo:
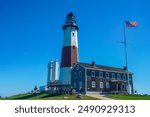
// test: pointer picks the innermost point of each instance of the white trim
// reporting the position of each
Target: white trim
(105, 70)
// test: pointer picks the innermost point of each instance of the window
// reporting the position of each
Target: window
(118, 76)
(101, 74)
(130, 77)
(74, 85)
(113, 75)
(124, 77)
(93, 84)
(101, 85)
(107, 85)
(107, 75)
(73, 34)
(80, 74)
(80, 84)
(93, 73)
(73, 47)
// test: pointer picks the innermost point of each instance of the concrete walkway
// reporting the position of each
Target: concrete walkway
(98, 96)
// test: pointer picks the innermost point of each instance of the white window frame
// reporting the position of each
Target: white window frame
(107, 74)
(107, 85)
(101, 85)
(73, 33)
(101, 74)
(93, 73)
(93, 84)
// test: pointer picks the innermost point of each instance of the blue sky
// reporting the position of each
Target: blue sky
(31, 35)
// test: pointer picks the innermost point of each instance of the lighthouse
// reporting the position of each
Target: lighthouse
(69, 56)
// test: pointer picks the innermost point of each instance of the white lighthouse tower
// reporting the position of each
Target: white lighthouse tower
(69, 50)
(53, 71)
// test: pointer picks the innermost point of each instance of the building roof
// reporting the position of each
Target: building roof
(102, 67)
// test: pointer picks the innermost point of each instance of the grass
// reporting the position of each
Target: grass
(129, 97)
(45, 96)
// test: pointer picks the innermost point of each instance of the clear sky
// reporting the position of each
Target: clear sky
(31, 35)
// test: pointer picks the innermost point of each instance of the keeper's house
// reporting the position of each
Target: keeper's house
(92, 78)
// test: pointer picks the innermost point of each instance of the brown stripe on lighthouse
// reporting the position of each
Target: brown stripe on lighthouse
(69, 56)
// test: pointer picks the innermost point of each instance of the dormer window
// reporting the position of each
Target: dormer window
(107, 75)
(93, 73)
(118, 76)
(101, 74)
(124, 77)
(113, 75)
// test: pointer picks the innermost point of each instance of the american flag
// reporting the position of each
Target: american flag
(131, 24)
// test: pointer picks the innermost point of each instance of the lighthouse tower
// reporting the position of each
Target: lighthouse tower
(69, 55)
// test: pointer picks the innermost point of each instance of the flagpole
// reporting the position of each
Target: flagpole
(126, 58)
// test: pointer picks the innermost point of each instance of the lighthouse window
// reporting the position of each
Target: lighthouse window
(73, 47)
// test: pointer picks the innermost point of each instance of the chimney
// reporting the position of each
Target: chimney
(93, 63)
(125, 68)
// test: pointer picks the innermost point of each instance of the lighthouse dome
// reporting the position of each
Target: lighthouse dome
(70, 21)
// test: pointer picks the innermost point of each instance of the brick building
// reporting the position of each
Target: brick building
(92, 78)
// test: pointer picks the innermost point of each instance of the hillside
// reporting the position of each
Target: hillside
(45, 96)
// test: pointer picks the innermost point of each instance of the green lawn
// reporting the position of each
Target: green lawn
(129, 97)
(45, 96)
